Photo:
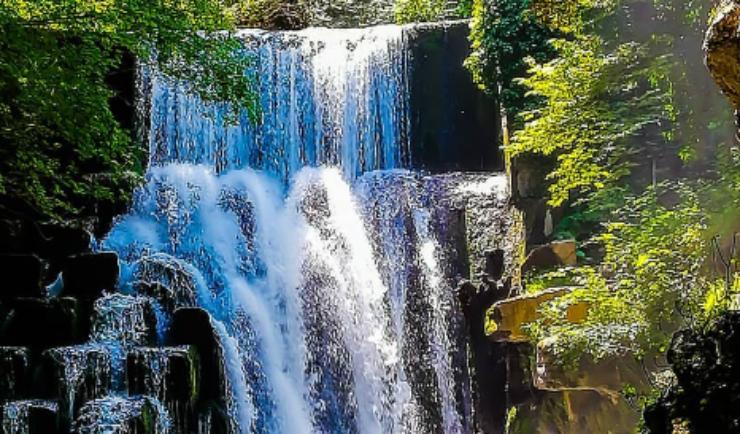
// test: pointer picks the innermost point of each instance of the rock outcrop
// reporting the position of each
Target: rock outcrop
(78, 356)
(722, 45)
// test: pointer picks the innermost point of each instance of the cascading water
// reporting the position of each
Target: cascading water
(326, 268)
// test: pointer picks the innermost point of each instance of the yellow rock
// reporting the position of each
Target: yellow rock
(506, 318)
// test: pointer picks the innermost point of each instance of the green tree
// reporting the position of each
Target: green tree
(63, 150)
(650, 282)
(504, 34)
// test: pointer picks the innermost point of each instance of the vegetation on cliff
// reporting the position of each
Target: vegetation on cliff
(623, 86)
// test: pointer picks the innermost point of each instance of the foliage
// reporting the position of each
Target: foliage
(614, 89)
(271, 14)
(63, 149)
(648, 284)
(504, 34)
(597, 103)
(410, 11)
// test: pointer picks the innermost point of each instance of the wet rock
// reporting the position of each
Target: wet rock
(507, 317)
(124, 319)
(193, 326)
(555, 254)
(119, 415)
(213, 419)
(60, 241)
(170, 297)
(15, 365)
(44, 323)
(23, 276)
(29, 417)
(171, 374)
(87, 276)
(78, 374)
(166, 279)
(14, 237)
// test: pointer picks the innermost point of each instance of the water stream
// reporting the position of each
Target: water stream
(325, 262)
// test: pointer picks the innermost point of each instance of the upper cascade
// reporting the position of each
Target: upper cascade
(326, 96)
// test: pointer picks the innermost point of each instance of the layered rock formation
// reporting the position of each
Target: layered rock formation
(77, 356)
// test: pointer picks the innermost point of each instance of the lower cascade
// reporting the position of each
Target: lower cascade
(332, 302)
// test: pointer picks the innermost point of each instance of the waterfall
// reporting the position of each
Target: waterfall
(326, 265)
(327, 96)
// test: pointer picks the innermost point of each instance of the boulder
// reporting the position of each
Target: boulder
(88, 275)
(505, 319)
(171, 374)
(168, 373)
(194, 326)
(44, 323)
(124, 319)
(60, 241)
(706, 390)
(15, 365)
(555, 254)
(607, 376)
(77, 374)
(167, 279)
(171, 297)
(29, 417)
(722, 46)
(23, 276)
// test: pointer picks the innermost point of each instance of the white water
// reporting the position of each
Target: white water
(329, 288)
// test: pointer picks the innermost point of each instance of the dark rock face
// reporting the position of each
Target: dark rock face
(454, 125)
(192, 326)
(88, 361)
(125, 320)
(87, 275)
(76, 375)
(171, 374)
(15, 365)
(707, 389)
(551, 255)
(44, 323)
(31, 417)
(23, 276)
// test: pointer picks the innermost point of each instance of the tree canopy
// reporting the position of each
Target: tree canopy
(64, 152)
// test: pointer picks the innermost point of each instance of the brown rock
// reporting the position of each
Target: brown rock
(607, 376)
(722, 46)
(555, 254)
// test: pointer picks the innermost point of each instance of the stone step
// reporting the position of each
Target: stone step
(506, 319)
(29, 417)
(15, 367)
(122, 415)
(89, 275)
(22, 276)
(172, 375)
(194, 327)
(168, 373)
(125, 320)
(44, 323)
(78, 374)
